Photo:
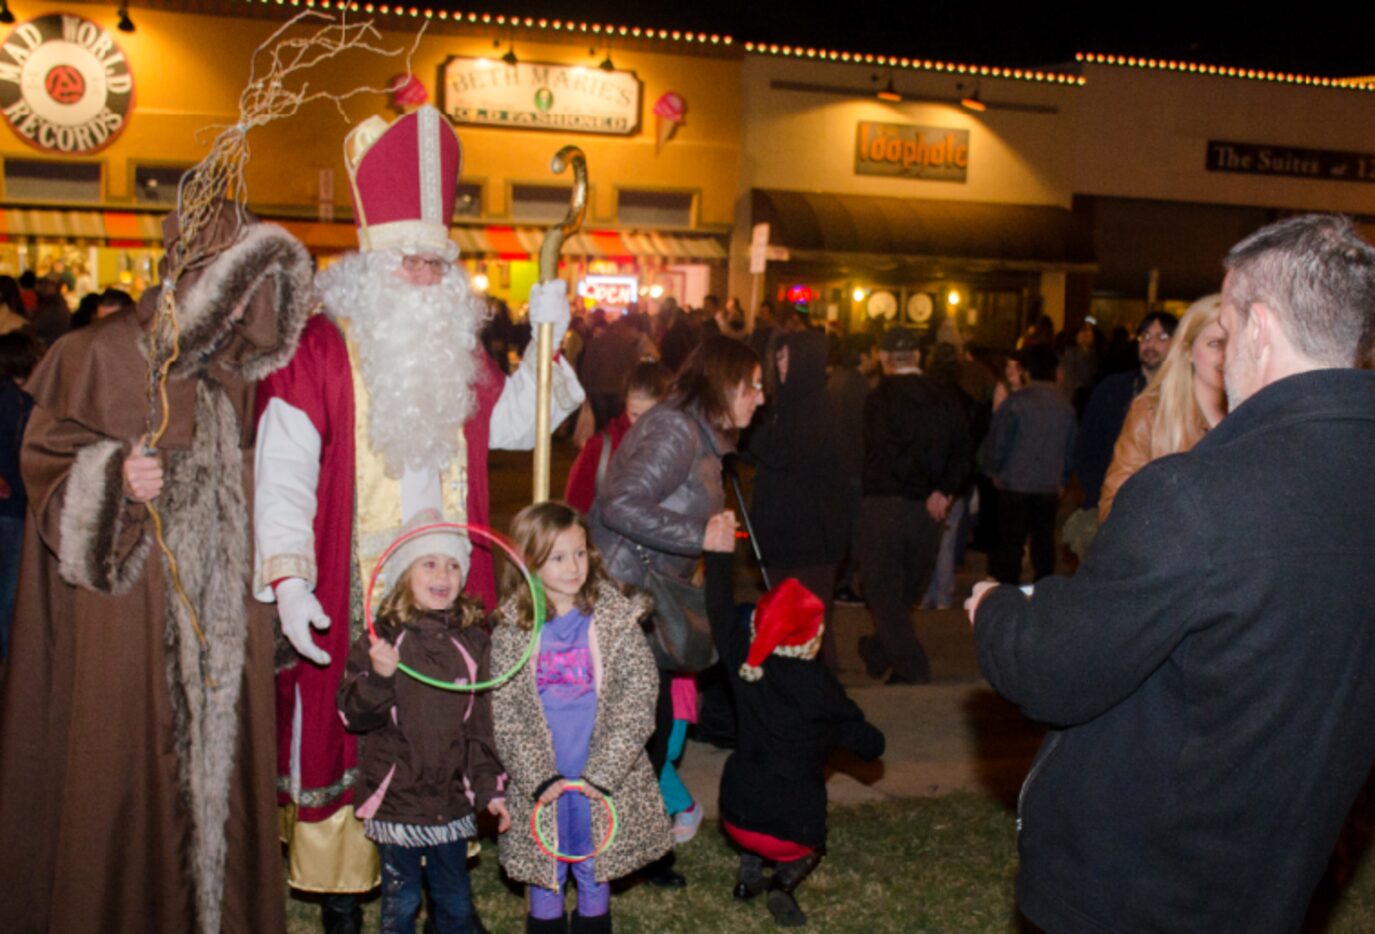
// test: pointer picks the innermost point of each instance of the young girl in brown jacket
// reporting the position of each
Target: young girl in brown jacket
(429, 763)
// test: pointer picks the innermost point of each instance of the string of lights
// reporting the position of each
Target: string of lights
(918, 64)
(501, 20)
(1222, 71)
(584, 29)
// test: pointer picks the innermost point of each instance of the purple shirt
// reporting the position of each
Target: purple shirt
(567, 688)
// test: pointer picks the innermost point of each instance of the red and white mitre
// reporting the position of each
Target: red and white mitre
(404, 178)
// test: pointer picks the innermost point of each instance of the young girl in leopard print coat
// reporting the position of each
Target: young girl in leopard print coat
(582, 709)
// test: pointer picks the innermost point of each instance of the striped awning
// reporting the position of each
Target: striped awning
(501, 242)
(524, 243)
(55, 223)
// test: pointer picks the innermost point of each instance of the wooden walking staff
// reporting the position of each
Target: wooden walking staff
(548, 272)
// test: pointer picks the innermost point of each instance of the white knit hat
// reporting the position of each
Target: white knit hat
(451, 543)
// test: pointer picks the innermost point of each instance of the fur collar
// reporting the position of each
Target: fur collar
(273, 270)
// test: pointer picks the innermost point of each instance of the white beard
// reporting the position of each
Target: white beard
(417, 346)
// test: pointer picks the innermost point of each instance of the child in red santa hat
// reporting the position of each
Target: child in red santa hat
(791, 713)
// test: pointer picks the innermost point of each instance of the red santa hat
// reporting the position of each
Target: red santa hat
(788, 621)
(404, 177)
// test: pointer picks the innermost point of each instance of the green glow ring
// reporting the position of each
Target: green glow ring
(531, 581)
(548, 848)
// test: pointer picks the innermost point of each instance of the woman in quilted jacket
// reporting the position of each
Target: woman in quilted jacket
(652, 510)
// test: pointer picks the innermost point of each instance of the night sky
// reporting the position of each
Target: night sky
(1319, 39)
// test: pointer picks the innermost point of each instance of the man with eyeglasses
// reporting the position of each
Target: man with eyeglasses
(388, 409)
(1107, 407)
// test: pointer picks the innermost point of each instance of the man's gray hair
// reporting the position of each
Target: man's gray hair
(1318, 276)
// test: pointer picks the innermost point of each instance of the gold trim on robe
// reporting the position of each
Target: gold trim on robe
(331, 855)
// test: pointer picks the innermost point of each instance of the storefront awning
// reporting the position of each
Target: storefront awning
(131, 228)
(822, 227)
(520, 243)
(117, 227)
(524, 242)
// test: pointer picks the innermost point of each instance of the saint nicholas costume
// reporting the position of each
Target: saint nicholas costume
(333, 505)
(136, 757)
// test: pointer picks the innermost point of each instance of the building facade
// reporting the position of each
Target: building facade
(868, 189)
(656, 114)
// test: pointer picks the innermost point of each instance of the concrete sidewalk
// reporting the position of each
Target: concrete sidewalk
(954, 734)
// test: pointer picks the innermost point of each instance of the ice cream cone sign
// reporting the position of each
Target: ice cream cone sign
(668, 113)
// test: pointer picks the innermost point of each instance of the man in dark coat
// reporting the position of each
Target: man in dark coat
(1210, 670)
(917, 457)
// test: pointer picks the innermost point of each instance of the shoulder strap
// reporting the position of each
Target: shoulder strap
(604, 460)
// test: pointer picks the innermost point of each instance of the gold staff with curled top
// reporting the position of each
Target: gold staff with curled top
(548, 272)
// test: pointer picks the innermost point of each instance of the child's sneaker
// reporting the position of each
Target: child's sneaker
(685, 823)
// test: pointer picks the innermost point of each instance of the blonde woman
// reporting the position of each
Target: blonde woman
(1185, 399)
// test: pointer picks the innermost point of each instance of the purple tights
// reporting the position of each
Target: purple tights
(575, 836)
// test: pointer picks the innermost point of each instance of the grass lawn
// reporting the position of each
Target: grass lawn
(942, 865)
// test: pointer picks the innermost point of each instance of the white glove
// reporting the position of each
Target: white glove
(299, 610)
(549, 305)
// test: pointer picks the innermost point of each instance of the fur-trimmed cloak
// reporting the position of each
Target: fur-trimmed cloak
(136, 767)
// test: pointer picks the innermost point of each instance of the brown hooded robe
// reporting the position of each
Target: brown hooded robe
(136, 770)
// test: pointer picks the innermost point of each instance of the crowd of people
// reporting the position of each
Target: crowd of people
(186, 599)
(281, 615)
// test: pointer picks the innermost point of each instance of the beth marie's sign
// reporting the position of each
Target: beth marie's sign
(65, 86)
(541, 96)
(1258, 159)
(931, 153)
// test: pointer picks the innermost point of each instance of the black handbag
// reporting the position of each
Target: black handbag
(680, 637)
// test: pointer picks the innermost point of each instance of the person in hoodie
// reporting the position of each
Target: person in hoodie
(918, 455)
(800, 508)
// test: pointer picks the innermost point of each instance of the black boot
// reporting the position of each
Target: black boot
(599, 924)
(341, 913)
(751, 881)
(786, 878)
(662, 875)
(535, 925)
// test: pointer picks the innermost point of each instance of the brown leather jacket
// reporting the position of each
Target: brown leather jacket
(1134, 447)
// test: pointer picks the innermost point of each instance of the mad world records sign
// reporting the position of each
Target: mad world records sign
(65, 86)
